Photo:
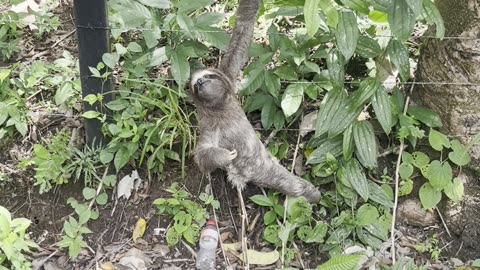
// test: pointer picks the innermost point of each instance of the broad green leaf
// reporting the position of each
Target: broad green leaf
(383, 109)
(347, 33)
(365, 144)
(420, 159)
(336, 68)
(91, 114)
(318, 233)
(261, 200)
(367, 214)
(429, 196)
(161, 4)
(367, 88)
(459, 155)
(215, 36)
(426, 116)
(256, 102)
(292, 99)
(158, 57)
(401, 19)
(353, 173)
(269, 217)
(252, 82)
(312, 18)
(269, 110)
(187, 25)
(433, 15)
(378, 195)
(357, 5)
(348, 143)
(121, 158)
(405, 170)
(110, 59)
(437, 140)
(439, 175)
(209, 18)
(329, 9)
(179, 66)
(399, 57)
(21, 127)
(286, 73)
(341, 262)
(64, 93)
(4, 73)
(332, 146)
(377, 16)
(454, 190)
(367, 47)
(89, 193)
(118, 104)
(272, 82)
(334, 100)
(186, 6)
(406, 187)
(102, 198)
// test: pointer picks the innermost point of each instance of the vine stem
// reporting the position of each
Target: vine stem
(397, 170)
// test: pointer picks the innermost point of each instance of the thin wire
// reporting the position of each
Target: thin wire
(92, 27)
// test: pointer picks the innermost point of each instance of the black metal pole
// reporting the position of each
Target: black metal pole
(93, 41)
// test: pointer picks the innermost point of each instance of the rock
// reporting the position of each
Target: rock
(412, 213)
(161, 250)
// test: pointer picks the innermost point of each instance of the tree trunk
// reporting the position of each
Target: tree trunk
(455, 60)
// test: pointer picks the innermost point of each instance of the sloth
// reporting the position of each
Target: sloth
(228, 141)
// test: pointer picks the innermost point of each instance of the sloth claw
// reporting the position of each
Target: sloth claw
(233, 154)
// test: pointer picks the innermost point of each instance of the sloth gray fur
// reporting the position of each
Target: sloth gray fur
(228, 141)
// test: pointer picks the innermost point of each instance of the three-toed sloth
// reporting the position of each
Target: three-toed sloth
(228, 140)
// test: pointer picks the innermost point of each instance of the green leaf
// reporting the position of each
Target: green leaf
(347, 33)
(357, 5)
(367, 47)
(405, 170)
(269, 111)
(21, 127)
(209, 18)
(159, 56)
(269, 217)
(329, 8)
(383, 109)
(439, 175)
(110, 59)
(476, 263)
(399, 57)
(336, 68)
(365, 144)
(312, 18)
(261, 200)
(89, 193)
(272, 82)
(134, 47)
(454, 190)
(192, 234)
(292, 99)
(161, 4)
(348, 143)
(121, 158)
(215, 36)
(341, 262)
(377, 16)
(117, 105)
(286, 73)
(64, 93)
(353, 174)
(91, 114)
(426, 116)
(401, 19)
(367, 214)
(378, 195)
(437, 140)
(252, 82)
(102, 198)
(433, 15)
(367, 88)
(332, 146)
(334, 101)
(179, 66)
(459, 155)
(420, 159)
(429, 196)
(186, 6)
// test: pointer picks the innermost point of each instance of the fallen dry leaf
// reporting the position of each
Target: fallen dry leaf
(126, 185)
(139, 229)
(261, 258)
(108, 266)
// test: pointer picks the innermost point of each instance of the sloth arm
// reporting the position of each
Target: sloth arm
(209, 157)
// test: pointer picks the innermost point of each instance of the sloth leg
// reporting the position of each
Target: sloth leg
(209, 158)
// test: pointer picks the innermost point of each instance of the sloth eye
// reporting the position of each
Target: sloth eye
(209, 76)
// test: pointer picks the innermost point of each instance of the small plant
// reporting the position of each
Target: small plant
(430, 246)
(75, 229)
(14, 242)
(9, 34)
(188, 216)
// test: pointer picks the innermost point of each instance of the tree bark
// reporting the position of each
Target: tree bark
(455, 61)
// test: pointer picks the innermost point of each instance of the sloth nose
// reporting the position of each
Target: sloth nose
(200, 81)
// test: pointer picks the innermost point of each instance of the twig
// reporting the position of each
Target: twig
(42, 262)
(63, 38)
(190, 249)
(10, 170)
(443, 222)
(397, 170)
(243, 229)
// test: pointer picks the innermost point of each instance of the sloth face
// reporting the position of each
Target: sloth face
(210, 87)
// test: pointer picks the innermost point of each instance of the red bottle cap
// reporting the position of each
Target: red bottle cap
(212, 222)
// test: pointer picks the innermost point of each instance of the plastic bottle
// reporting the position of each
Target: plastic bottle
(208, 246)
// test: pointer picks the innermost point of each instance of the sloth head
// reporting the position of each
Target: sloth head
(210, 88)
